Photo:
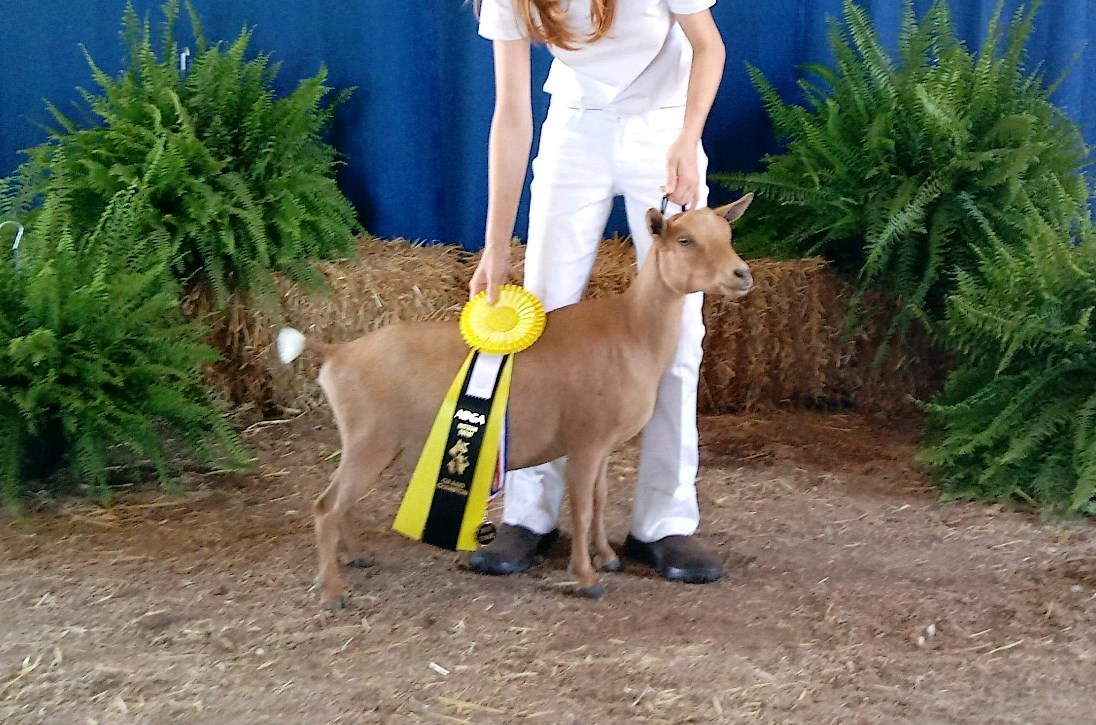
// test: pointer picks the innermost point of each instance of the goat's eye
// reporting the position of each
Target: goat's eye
(684, 241)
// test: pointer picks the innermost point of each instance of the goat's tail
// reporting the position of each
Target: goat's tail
(291, 343)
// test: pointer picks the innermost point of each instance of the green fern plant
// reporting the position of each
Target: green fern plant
(94, 354)
(241, 181)
(898, 168)
(1017, 417)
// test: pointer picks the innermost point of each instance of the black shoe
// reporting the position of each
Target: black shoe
(514, 550)
(677, 558)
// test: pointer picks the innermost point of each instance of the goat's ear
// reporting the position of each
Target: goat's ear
(656, 223)
(734, 211)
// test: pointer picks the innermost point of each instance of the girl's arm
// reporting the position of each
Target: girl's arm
(507, 162)
(709, 55)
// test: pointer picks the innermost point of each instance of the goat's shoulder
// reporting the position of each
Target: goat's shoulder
(596, 313)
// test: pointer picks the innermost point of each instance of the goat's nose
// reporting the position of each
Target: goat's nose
(744, 274)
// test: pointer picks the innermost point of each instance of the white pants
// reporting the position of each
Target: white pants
(587, 157)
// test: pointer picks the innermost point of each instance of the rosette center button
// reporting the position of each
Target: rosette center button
(503, 319)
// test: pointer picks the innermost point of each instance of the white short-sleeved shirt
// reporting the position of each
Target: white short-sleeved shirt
(641, 64)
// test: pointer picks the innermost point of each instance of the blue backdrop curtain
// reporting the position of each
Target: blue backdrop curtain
(414, 135)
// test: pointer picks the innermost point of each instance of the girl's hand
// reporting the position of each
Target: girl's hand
(491, 273)
(682, 179)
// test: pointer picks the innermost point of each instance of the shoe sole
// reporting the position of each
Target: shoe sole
(686, 576)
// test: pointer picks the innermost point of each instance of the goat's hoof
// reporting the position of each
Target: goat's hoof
(613, 565)
(335, 605)
(359, 563)
(594, 591)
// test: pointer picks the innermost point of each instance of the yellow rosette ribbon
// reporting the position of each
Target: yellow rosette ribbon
(507, 327)
(464, 458)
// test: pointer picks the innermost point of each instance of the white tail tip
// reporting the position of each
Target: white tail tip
(290, 345)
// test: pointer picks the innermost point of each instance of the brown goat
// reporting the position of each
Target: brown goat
(587, 385)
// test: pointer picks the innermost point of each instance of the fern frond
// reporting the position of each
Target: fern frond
(1018, 413)
(94, 353)
(893, 155)
(219, 150)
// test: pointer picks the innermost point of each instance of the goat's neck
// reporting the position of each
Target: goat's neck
(654, 308)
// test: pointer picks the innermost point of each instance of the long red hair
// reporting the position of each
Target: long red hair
(546, 21)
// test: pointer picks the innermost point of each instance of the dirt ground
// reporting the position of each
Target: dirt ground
(852, 595)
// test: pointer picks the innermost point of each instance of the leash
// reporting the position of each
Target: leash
(666, 200)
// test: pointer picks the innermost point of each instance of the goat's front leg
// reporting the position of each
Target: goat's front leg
(605, 559)
(582, 473)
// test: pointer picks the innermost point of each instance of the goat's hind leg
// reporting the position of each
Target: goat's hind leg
(361, 463)
(350, 544)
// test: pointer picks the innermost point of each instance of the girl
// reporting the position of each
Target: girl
(631, 86)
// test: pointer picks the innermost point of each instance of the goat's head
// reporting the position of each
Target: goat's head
(695, 252)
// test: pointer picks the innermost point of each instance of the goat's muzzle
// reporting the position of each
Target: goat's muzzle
(740, 284)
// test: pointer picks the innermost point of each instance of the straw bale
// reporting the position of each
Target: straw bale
(786, 344)
(387, 281)
(782, 345)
